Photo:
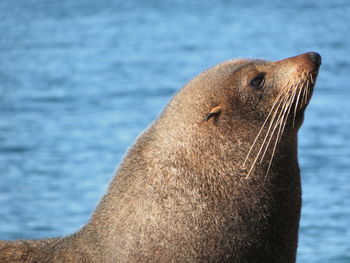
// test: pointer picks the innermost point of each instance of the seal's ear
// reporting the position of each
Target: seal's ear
(213, 113)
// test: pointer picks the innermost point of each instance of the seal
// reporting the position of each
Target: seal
(214, 179)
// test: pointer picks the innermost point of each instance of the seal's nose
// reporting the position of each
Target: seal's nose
(315, 57)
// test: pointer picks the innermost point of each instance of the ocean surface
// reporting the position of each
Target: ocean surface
(79, 80)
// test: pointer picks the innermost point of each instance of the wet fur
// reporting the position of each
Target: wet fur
(185, 192)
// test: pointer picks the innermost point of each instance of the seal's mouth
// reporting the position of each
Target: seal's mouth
(302, 93)
(303, 90)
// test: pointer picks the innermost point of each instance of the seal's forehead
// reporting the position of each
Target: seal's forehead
(228, 68)
(237, 64)
(246, 62)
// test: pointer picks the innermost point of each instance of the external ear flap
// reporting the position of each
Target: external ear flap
(214, 112)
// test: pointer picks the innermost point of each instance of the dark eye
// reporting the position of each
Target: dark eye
(258, 81)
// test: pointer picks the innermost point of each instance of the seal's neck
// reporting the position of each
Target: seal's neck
(204, 188)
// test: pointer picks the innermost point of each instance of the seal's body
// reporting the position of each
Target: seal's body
(214, 179)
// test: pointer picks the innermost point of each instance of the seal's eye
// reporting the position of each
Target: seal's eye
(258, 81)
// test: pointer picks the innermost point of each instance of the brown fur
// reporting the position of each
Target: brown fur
(182, 193)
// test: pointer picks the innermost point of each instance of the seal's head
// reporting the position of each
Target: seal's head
(250, 89)
(253, 98)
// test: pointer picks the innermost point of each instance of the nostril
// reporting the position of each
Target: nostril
(315, 57)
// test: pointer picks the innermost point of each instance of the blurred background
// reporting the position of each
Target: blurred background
(79, 80)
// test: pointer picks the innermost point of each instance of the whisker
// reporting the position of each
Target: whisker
(282, 99)
(296, 105)
(257, 156)
(288, 100)
(307, 92)
(273, 130)
(287, 103)
(311, 78)
(262, 127)
(280, 132)
(287, 114)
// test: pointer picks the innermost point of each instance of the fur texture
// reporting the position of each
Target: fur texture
(184, 192)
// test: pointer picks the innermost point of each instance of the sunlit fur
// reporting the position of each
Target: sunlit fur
(214, 179)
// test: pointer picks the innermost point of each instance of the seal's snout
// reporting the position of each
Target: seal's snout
(315, 57)
(311, 60)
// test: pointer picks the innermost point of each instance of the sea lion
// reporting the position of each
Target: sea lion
(214, 179)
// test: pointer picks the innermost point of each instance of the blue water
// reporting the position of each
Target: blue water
(79, 80)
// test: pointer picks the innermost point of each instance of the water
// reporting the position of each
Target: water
(79, 80)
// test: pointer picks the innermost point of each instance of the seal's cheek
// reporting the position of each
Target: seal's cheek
(251, 98)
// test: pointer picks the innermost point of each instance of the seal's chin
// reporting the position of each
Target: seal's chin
(299, 118)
